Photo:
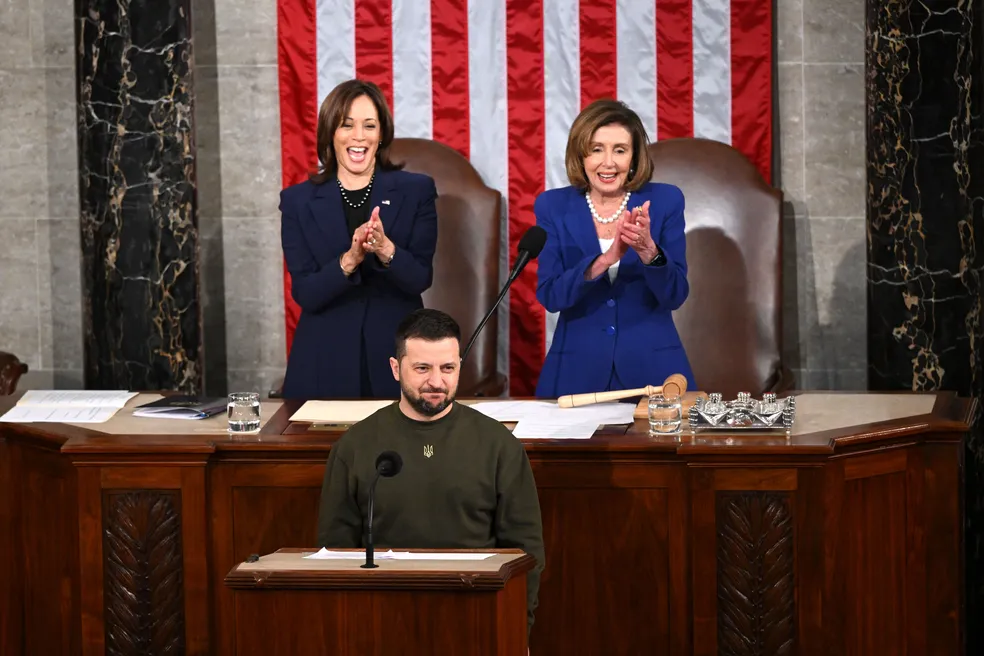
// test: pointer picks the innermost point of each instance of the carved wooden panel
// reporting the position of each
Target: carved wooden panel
(143, 586)
(755, 576)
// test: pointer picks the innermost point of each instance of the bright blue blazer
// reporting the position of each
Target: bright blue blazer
(337, 312)
(627, 324)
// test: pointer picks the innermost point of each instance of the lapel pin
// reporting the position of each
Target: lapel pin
(386, 202)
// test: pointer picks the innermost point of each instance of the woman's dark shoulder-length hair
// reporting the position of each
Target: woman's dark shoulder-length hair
(334, 109)
(599, 114)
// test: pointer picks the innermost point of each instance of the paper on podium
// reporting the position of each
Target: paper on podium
(325, 554)
(532, 429)
(546, 420)
(338, 412)
(549, 411)
(68, 406)
(511, 410)
(435, 555)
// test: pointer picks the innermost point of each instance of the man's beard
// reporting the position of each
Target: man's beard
(421, 405)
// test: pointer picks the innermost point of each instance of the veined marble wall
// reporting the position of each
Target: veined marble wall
(820, 94)
(141, 315)
(925, 156)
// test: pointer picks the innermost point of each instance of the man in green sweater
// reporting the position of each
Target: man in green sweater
(466, 482)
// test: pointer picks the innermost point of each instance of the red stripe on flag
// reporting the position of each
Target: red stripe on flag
(449, 73)
(674, 69)
(524, 61)
(599, 57)
(751, 82)
(374, 44)
(298, 83)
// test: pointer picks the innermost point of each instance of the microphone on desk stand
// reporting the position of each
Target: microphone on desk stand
(388, 464)
(529, 248)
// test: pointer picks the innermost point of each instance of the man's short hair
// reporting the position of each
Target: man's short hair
(426, 324)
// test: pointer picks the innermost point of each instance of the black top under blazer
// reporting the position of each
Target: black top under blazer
(342, 316)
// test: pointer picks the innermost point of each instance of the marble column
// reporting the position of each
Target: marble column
(140, 281)
(925, 220)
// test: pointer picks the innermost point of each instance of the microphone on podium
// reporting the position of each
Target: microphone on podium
(529, 248)
(388, 464)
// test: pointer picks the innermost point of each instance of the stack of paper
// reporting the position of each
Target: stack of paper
(546, 420)
(512, 410)
(325, 554)
(338, 412)
(67, 406)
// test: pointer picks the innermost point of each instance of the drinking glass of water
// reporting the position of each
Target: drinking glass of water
(244, 412)
(665, 413)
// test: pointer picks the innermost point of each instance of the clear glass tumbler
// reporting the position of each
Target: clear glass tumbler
(244, 412)
(665, 413)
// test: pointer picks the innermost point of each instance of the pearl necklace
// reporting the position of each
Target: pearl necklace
(608, 219)
(345, 193)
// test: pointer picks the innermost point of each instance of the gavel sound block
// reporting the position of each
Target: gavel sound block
(674, 385)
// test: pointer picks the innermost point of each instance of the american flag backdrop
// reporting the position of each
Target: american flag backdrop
(501, 81)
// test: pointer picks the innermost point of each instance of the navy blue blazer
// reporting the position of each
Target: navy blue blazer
(627, 324)
(338, 312)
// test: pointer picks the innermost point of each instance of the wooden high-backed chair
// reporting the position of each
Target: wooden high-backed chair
(466, 263)
(11, 369)
(731, 325)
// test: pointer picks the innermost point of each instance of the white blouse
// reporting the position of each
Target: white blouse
(613, 269)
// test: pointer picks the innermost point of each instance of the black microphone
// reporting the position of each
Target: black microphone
(388, 464)
(529, 248)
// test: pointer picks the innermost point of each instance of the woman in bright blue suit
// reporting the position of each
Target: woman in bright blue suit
(615, 263)
(359, 240)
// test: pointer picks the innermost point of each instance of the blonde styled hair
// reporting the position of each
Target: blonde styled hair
(599, 114)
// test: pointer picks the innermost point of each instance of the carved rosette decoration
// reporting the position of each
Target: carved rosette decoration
(755, 574)
(143, 572)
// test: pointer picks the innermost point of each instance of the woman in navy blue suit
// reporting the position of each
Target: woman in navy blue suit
(358, 240)
(615, 263)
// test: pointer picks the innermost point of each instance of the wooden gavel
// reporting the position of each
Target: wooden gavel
(674, 385)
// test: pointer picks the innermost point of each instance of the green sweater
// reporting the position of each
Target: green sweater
(474, 491)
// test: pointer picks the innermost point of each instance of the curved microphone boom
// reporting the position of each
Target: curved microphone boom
(528, 249)
(388, 464)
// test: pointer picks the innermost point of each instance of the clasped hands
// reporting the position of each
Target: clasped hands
(631, 231)
(368, 238)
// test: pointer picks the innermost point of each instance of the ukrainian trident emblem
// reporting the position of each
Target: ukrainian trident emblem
(428, 450)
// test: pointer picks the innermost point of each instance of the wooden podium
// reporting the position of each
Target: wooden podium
(286, 604)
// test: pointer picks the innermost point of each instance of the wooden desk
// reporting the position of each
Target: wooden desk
(843, 538)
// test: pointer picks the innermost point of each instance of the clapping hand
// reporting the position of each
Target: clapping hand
(610, 257)
(619, 247)
(352, 258)
(376, 240)
(634, 233)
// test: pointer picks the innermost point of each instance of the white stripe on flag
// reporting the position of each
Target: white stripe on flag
(712, 69)
(561, 83)
(336, 44)
(487, 102)
(635, 36)
(561, 97)
(489, 133)
(413, 115)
